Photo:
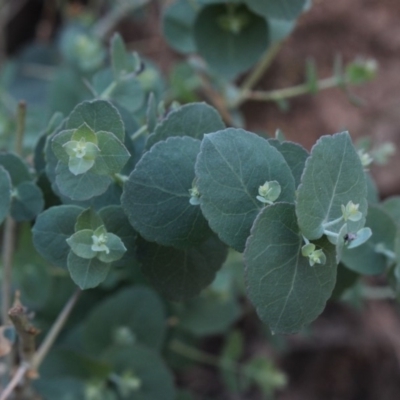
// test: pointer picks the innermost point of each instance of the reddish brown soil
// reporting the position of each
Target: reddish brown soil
(357, 28)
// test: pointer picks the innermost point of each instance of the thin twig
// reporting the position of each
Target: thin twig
(282, 94)
(17, 378)
(21, 122)
(7, 260)
(259, 71)
(54, 331)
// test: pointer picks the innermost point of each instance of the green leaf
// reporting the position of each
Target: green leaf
(345, 279)
(231, 40)
(365, 259)
(372, 190)
(136, 309)
(16, 167)
(52, 229)
(27, 202)
(113, 154)
(119, 57)
(178, 21)
(156, 195)
(88, 219)
(208, 314)
(80, 187)
(99, 115)
(116, 249)
(115, 221)
(5, 190)
(81, 244)
(279, 9)
(181, 274)
(127, 92)
(87, 273)
(333, 176)
(392, 206)
(142, 375)
(295, 156)
(57, 145)
(192, 120)
(285, 290)
(228, 182)
(279, 29)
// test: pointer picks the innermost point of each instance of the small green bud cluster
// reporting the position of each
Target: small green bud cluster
(269, 192)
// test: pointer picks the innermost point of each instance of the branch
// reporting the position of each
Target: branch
(26, 332)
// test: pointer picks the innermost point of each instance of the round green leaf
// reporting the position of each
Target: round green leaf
(87, 273)
(231, 40)
(113, 154)
(287, 292)
(144, 366)
(279, 9)
(16, 167)
(115, 221)
(127, 92)
(52, 229)
(5, 190)
(365, 259)
(230, 168)
(80, 187)
(178, 23)
(99, 115)
(27, 202)
(295, 156)
(392, 206)
(156, 195)
(137, 309)
(181, 274)
(192, 120)
(116, 249)
(88, 219)
(333, 176)
(81, 243)
(208, 314)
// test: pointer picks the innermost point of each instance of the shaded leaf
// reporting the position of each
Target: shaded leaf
(136, 309)
(99, 115)
(178, 20)
(287, 292)
(333, 176)
(52, 229)
(229, 183)
(181, 274)
(87, 273)
(295, 156)
(230, 40)
(156, 195)
(192, 120)
(365, 259)
(27, 202)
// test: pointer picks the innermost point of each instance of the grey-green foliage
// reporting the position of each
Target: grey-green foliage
(285, 290)
(178, 23)
(230, 168)
(369, 258)
(332, 177)
(84, 157)
(180, 274)
(230, 40)
(194, 120)
(26, 197)
(156, 196)
(110, 324)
